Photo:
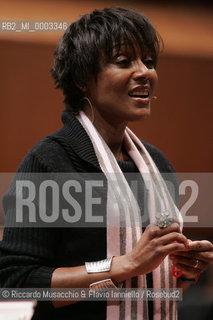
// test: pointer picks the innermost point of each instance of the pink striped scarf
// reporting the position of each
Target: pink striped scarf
(124, 225)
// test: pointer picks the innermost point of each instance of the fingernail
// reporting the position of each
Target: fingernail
(176, 224)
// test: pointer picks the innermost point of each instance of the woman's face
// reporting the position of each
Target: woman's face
(124, 87)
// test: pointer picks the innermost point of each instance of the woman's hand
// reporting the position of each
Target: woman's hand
(154, 245)
(195, 260)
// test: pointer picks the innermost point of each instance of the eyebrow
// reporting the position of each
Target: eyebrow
(122, 46)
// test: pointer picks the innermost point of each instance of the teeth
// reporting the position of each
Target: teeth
(139, 94)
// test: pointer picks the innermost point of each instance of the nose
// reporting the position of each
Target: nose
(141, 71)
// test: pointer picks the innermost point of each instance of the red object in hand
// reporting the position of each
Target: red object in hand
(176, 273)
(197, 278)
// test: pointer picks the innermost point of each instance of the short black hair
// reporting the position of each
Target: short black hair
(77, 56)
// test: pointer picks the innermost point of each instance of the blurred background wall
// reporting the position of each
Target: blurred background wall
(181, 121)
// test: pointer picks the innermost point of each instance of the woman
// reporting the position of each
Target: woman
(105, 63)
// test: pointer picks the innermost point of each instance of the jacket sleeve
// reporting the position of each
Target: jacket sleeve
(26, 254)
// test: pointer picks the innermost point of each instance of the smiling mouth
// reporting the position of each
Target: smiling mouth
(143, 95)
(141, 92)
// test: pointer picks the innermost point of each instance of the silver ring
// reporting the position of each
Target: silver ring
(163, 219)
(196, 264)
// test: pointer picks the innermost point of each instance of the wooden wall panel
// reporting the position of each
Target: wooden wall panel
(180, 124)
(30, 106)
(181, 120)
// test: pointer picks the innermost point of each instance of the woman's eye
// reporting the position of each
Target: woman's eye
(123, 62)
(149, 63)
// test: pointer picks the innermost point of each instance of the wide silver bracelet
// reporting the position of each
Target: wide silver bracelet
(99, 266)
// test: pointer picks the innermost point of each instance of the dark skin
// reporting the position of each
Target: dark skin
(113, 106)
(152, 248)
(186, 260)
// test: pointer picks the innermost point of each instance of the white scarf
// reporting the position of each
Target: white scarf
(124, 225)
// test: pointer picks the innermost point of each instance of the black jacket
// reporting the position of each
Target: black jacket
(28, 256)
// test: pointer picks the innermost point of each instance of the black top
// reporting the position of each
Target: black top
(28, 256)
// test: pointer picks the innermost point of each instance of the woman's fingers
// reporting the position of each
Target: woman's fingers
(171, 247)
(154, 245)
(202, 245)
(156, 232)
(173, 237)
(203, 256)
(202, 250)
(190, 263)
(189, 272)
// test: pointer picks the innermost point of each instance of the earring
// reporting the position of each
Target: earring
(91, 106)
(154, 97)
